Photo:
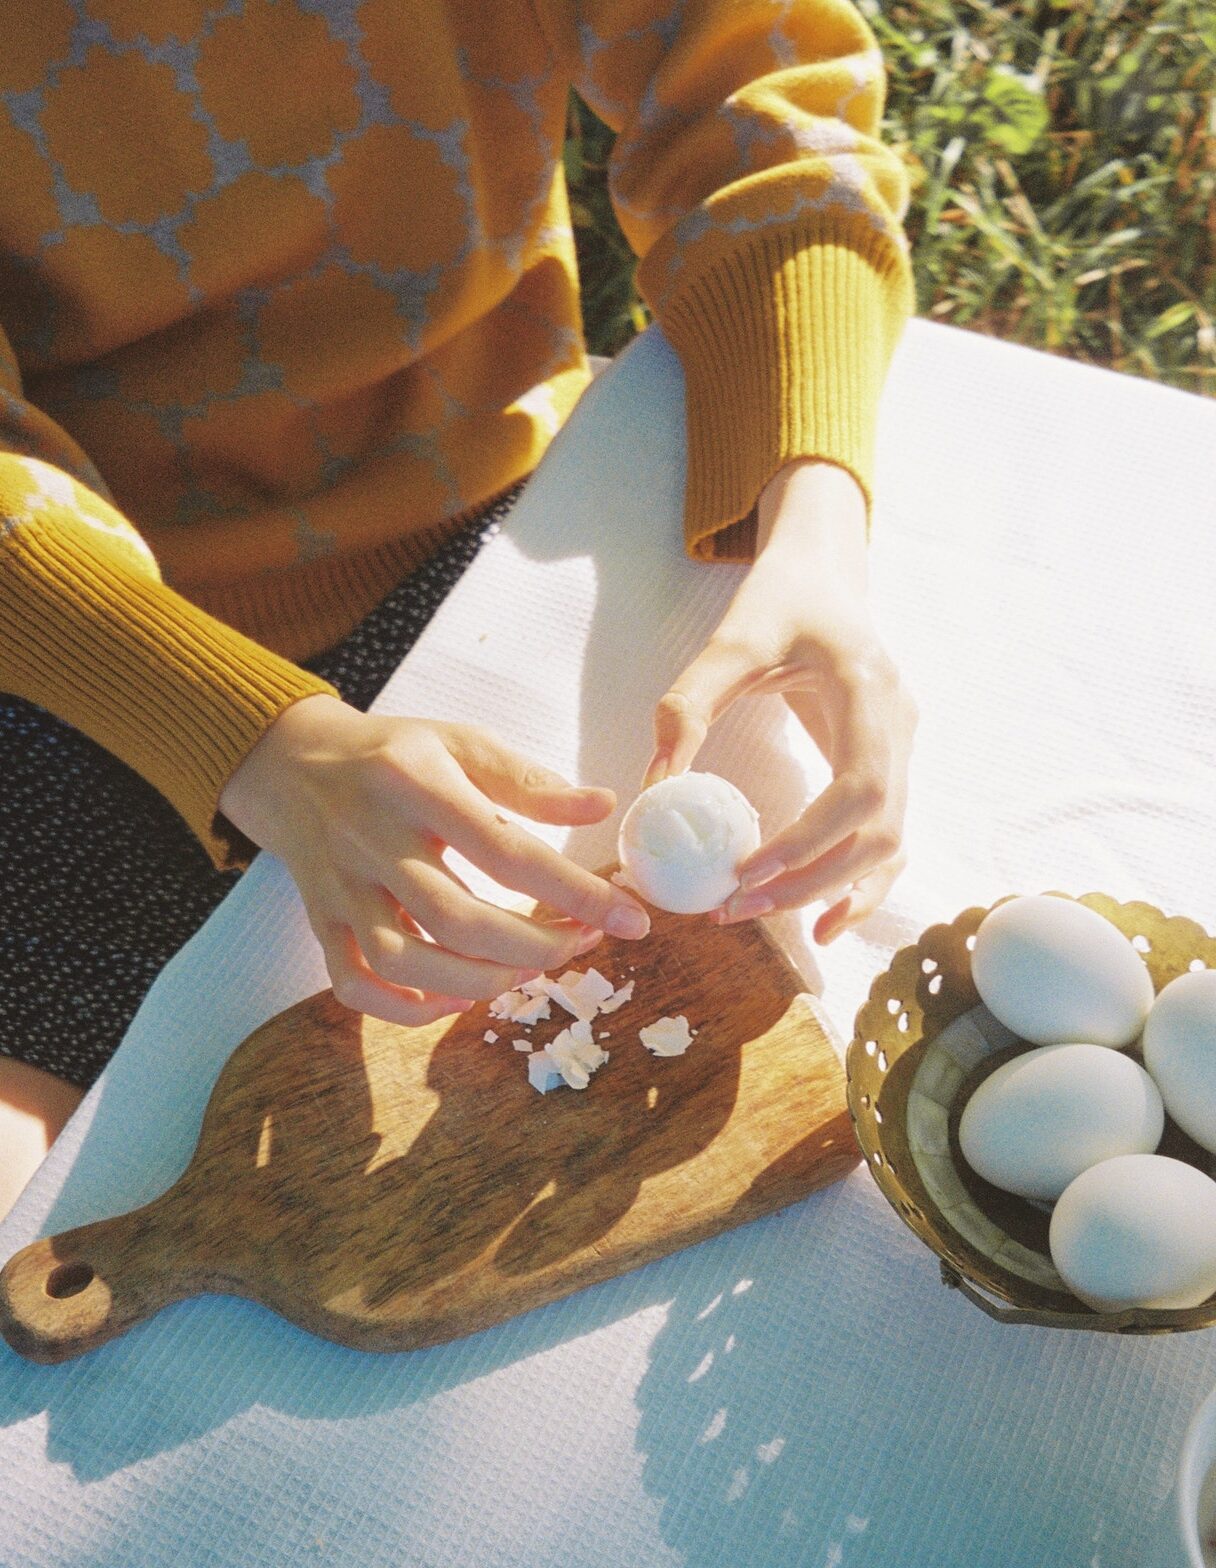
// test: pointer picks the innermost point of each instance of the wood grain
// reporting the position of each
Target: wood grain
(392, 1188)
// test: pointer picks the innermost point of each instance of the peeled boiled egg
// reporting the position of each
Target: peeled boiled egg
(1180, 1051)
(1054, 971)
(1137, 1231)
(683, 838)
(1043, 1117)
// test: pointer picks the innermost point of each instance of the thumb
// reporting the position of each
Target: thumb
(511, 779)
(722, 671)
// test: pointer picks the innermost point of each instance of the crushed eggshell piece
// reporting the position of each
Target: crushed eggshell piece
(524, 1006)
(573, 1075)
(546, 989)
(576, 1054)
(592, 986)
(489, 1037)
(584, 1047)
(579, 994)
(543, 1073)
(667, 1036)
(618, 998)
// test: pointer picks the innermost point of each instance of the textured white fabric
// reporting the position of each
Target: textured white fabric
(801, 1391)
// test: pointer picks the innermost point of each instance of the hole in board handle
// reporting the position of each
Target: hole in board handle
(69, 1279)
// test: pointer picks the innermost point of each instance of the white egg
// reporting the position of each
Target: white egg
(682, 839)
(1043, 1117)
(1180, 1051)
(1137, 1231)
(1053, 971)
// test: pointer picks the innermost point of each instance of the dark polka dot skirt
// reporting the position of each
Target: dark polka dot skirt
(101, 881)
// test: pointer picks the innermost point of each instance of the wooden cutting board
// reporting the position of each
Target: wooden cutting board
(391, 1188)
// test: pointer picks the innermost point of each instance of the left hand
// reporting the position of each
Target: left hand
(800, 625)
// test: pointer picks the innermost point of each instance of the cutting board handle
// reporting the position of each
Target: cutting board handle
(66, 1294)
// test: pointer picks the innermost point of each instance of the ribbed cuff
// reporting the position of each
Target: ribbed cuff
(785, 344)
(174, 694)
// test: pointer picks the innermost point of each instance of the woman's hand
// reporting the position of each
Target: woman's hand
(799, 625)
(361, 808)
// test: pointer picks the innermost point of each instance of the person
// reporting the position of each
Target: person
(289, 313)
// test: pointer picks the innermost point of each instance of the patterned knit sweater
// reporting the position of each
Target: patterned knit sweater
(288, 287)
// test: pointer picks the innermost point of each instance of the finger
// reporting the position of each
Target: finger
(518, 859)
(444, 907)
(406, 960)
(510, 779)
(871, 721)
(807, 706)
(720, 673)
(357, 987)
(867, 894)
(844, 807)
(833, 921)
(848, 861)
(864, 764)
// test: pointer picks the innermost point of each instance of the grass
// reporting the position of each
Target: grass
(1062, 160)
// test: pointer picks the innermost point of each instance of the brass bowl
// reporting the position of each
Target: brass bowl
(922, 1043)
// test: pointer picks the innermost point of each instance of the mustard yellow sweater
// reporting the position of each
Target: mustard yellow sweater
(288, 287)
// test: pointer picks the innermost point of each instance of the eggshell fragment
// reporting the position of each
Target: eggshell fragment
(682, 839)
(618, 998)
(576, 1054)
(520, 1007)
(1043, 1117)
(1137, 1231)
(1055, 971)
(667, 1036)
(1180, 1051)
(543, 1073)
(579, 994)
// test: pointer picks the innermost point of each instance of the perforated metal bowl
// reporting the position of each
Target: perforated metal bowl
(922, 1043)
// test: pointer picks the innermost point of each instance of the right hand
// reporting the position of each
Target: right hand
(360, 808)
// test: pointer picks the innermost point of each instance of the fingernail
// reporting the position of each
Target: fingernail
(749, 904)
(627, 921)
(588, 940)
(762, 871)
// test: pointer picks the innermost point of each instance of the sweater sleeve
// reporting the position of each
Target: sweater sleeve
(748, 177)
(90, 632)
